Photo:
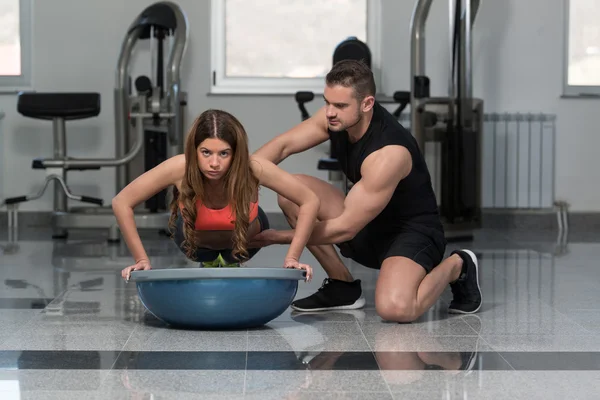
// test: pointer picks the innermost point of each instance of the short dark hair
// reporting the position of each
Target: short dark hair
(355, 74)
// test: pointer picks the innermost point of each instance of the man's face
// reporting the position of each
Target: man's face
(343, 110)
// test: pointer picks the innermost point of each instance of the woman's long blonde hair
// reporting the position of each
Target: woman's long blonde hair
(240, 183)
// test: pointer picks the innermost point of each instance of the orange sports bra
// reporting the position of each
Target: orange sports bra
(208, 219)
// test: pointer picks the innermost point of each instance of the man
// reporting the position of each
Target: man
(389, 220)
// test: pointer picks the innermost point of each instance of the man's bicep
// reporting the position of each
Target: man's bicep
(363, 203)
(381, 174)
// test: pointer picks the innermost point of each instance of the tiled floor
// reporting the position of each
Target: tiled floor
(71, 328)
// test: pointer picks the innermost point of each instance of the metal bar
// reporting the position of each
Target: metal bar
(122, 104)
(417, 65)
(153, 57)
(451, 88)
(151, 115)
(60, 153)
(518, 158)
(540, 277)
(529, 165)
(176, 134)
(552, 180)
(467, 90)
(494, 168)
(506, 119)
(101, 162)
(541, 182)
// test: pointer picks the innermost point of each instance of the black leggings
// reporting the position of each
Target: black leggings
(206, 255)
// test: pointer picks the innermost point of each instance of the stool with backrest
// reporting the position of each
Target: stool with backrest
(58, 108)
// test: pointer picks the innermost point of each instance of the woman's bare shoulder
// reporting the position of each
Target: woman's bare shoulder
(176, 165)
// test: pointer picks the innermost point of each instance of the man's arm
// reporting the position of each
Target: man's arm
(303, 136)
(381, 172)
(292, 188)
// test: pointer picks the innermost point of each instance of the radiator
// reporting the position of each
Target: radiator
(518, 160)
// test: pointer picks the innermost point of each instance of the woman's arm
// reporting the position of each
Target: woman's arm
(286, 185)
(167, 173)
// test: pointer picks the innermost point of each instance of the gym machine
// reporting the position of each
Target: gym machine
(349, 49)
(155, 113)
(455, 122)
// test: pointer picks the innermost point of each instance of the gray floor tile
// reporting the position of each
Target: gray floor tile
(65, 342)
(588, 319)
(412, 342)
(328, 330)
(197, 382)
(302, 343)
(438, 312)
(455, 326)
(559, 384)
(309, 318)
(453, 362)
(490, 385)
(165, 395)
(181, 360)
(8, 329)
(334, 395)
(539, 342)
(11, 316)
(164, 339)
(52, 380)
(51, 395)
(526, 318)
(314, 381)
(558, 326)
(48, 326)
(454, 384)
(4, 338)
(553, 360)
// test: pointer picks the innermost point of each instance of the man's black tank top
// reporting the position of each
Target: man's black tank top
(413, 204)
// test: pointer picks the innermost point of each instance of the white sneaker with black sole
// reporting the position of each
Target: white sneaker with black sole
(333, 295)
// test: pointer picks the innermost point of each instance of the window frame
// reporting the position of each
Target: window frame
(573, 90)
(220, 84)
(10, 83)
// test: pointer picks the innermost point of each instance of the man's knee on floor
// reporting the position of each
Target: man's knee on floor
(397, 309)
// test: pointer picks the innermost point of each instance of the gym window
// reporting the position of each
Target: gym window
(15, 44)
(582, 58)
(283, 46)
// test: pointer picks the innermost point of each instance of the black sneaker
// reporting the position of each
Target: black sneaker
(466, 290)
(333, 295)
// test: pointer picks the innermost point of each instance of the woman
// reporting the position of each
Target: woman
(215, 198)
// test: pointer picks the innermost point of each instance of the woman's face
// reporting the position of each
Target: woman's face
(214, 158)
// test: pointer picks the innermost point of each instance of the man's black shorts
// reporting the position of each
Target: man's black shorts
(370, 248)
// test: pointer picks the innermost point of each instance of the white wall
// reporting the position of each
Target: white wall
(517, 68)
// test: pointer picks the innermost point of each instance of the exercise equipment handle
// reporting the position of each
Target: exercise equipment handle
(151, 115)
(301, 98)
(103, 162)
(15, 200)
(402, 97)
(304, 97)
(93, 200)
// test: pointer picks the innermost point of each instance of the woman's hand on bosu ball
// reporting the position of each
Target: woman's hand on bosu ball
(292, 263)
(142, 265)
